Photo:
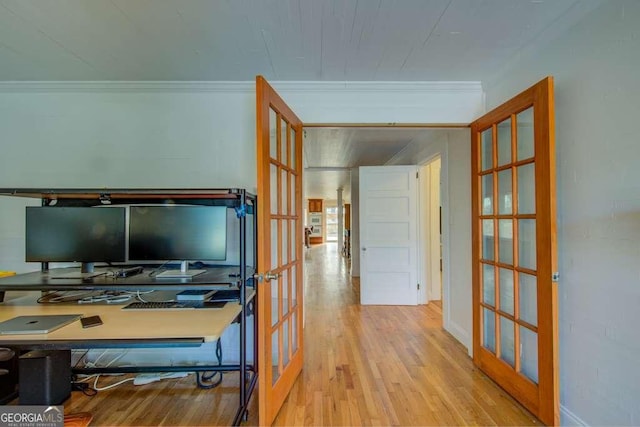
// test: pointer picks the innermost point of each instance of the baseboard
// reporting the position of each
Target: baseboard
(460, 334)
(568, 418)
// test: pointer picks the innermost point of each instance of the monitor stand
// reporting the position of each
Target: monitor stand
(87, 267)
(183, 273)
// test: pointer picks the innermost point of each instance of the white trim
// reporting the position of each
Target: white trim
(423, 180)
(237, 86)
(125, 86)
(368, 87)
(568, 418)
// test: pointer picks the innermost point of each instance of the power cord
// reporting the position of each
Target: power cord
(58, 297)
(97, 389)
(202, 377)
(84, 388)
(158, 269)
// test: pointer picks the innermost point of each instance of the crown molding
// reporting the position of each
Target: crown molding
(127, 86)
(376, 86)
(235, 86)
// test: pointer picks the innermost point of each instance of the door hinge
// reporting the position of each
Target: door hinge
(417, 175)
(418, 286)
(555, 277)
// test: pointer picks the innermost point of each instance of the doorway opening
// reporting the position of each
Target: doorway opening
(430, 226)
(331, 220)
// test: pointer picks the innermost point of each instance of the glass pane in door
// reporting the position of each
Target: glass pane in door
(284, 183)
(528, 297)
(274, 244)
(504, 142)
(273, 137)
(487, 240)
(285, 343)
(285, 292)
(293, 240)
(285, 241)
(488, 284)
(284, 149)
(486, 151)
(292, 154)
(273, 169)
(487, 194)
(504, 192)
(506, 291)
(507, 341)
(294, 332)
(505, 241)
(527, 243)
(525, 134)
(275, 347)
(529, 354)
(489, 330)
(526, 189)
(293, 195)
(294, 287)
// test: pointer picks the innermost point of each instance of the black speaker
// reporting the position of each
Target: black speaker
(8, 375)
(44, 377)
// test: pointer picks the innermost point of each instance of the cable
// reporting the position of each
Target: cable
(96, 388)
(201, 377)
(158, 269)
(57, 297)
(140, 297)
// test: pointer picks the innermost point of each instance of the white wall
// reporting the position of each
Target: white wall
(383, 102)
(596, 67)
(98, 138)
(454, 149)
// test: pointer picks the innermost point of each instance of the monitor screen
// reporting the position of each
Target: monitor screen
(75, 234)
(177, 232)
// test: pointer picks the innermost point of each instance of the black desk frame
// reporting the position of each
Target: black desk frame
(240, 200)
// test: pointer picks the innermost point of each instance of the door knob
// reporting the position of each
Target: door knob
(364, 249)
(272, 276)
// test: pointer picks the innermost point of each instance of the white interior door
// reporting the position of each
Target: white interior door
(388, 235)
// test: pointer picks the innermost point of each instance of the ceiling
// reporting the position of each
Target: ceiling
(343, 40)
(331, 153)
(283, 40)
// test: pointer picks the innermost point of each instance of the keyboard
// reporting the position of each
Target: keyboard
(173, 305)
(77, 275)
(160, 305)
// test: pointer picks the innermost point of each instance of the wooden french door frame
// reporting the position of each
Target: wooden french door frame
(541, 398)
(279, 269)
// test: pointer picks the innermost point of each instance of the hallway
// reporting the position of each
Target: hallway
(383, 365)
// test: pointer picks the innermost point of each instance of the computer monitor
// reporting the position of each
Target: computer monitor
(178, 233)
(75, 234)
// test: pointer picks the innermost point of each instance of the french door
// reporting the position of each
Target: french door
(515, 332)
(280, 292)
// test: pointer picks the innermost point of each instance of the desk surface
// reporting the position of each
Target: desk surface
(118, 324)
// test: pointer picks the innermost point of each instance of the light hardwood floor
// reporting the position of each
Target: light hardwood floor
(363, 365)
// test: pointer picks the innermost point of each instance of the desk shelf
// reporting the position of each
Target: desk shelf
(214, 278)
